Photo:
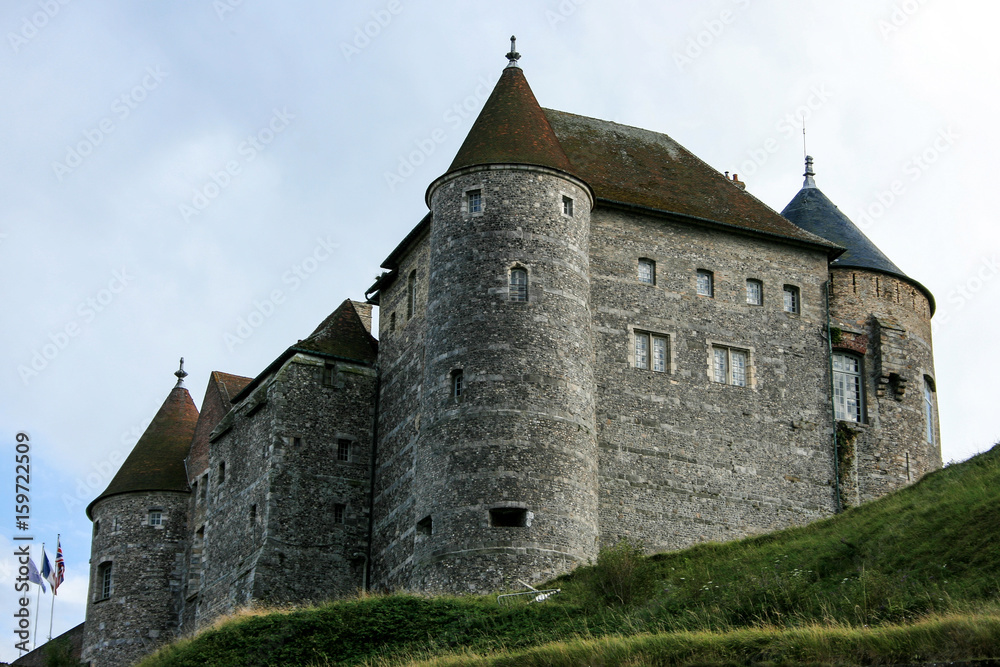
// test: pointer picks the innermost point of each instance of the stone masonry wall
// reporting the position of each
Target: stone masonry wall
(886, 321)
(685, 459)
(401, 367)
(519, 441)
(146, 576)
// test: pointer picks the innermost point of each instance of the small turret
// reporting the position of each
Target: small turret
(883, 370)
(138, 540)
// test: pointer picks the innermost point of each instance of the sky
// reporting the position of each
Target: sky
(211, 179)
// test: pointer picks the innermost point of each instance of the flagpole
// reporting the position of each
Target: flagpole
(52, 608)
(34, 640)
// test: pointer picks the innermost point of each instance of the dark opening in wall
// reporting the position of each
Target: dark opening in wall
(508, 517)
(425, 526)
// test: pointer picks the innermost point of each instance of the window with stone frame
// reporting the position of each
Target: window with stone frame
(730, 365)
(97, 527)
(755, 292)
(474, 201)
(392, 322)
(457, 385)
(790, 294)
(647, 271)
(339, 512)
(652, 351)
(706, 283)
(518, 288)
(222, 473)
(155, 517)
(103, 581)
(848, 387)
(567, 206)
(343, 450)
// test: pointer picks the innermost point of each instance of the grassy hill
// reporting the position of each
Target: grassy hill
(913, 576)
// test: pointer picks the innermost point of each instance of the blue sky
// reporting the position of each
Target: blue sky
(211, 179)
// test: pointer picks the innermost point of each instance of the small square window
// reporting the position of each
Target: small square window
(339, 511)
(155, 518)
(705, 283)
(567, 206)
(755, 293)
(791, 296)
(343, 450)
(647, 271)
(474, 200)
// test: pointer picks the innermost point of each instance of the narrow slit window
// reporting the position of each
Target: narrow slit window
(457, 384)
(411, 294)
(928, 415)
(518, 285)
(222, 472)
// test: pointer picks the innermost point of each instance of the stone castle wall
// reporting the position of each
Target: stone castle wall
(147, 563)
(685, 459)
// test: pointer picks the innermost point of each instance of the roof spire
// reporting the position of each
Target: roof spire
(181, 374)
(809, 182)
(513, 56)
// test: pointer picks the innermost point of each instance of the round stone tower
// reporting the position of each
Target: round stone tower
(137, 550)
(506, 462)
(884, 391)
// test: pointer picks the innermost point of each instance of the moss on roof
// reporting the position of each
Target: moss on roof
(156, 463)
(511, 129)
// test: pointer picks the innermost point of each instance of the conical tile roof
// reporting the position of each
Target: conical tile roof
(511, 129)
(157, 460)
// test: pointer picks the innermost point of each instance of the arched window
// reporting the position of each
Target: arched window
(518, 285)
(411, 294)
(929, 410)
(847, 387)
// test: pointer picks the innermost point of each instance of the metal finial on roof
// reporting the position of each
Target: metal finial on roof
(513, 56)
(809, 182)
(181, 374)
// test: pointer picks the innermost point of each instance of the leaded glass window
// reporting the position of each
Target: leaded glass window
(847, 395)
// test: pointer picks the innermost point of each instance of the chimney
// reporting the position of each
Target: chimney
(738, 183)
(364, 311)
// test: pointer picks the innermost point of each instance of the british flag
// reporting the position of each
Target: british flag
(60, 567)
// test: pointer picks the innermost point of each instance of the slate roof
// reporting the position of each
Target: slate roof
(813, 211)
(156, 463)
(511, 129)
(342, 335)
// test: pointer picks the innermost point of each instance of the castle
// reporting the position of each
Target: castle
(592, 335)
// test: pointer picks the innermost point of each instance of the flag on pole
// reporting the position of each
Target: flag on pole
(60, 567)
(48, 574)
(33, 575)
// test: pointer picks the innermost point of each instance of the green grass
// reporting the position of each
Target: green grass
(891, 581)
